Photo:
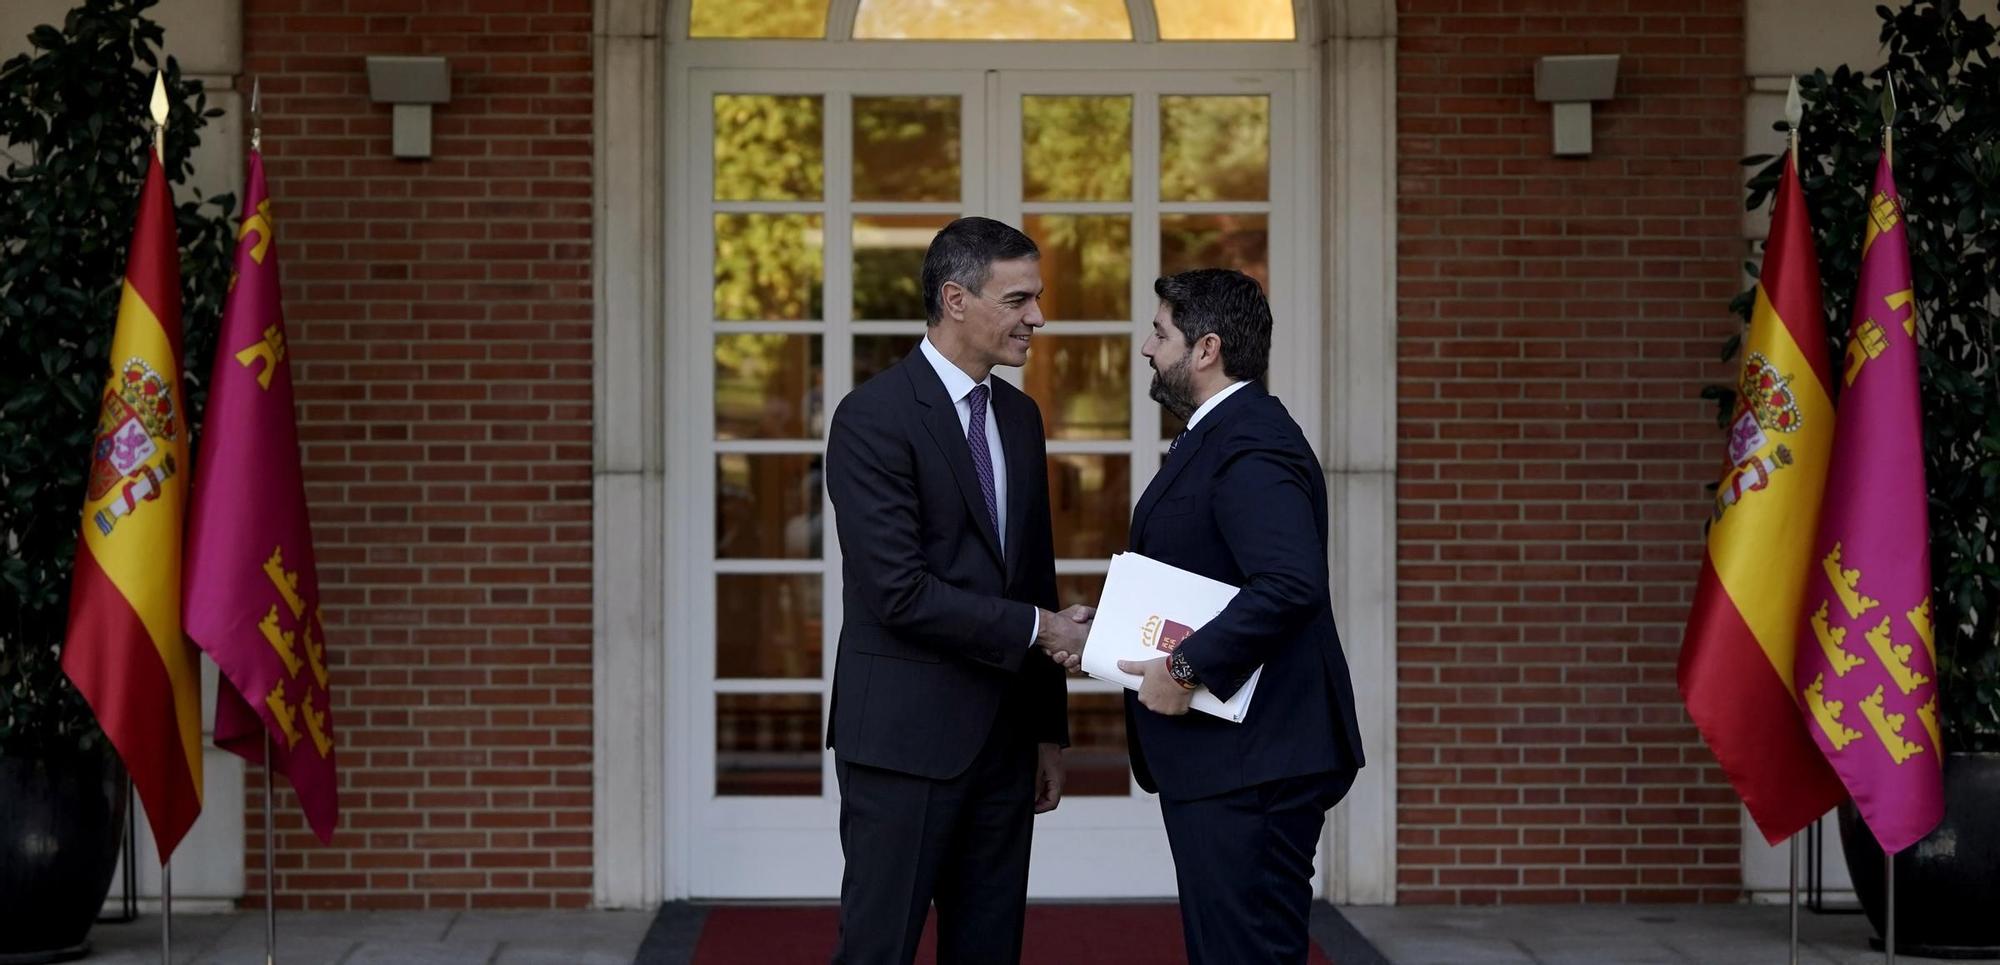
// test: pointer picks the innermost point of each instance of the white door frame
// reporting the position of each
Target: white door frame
(640, 809)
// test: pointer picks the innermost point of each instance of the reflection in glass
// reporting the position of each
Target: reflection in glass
(1082, 384)
(1225, 19)
(767, 744)
(768, 147)
(889, 264)
(768, 386)
(992, 20)
(767, 625)
(1239, 241)
(1076, 148)
(758, 18)
(906, 148)
(873, 354)
(1086, 265)
(1090, 499)
(767, 506)
(1097, 762)
(767, 267)
(1215, 148)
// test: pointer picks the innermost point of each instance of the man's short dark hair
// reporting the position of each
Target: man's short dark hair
(964, 251)
(1229, 303)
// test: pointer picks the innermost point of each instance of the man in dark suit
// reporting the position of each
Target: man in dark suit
(1240, 499)
(948, 714)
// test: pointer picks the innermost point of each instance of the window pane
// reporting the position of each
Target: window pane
(758, 18)
(767, 625)
(992, 20)
(767, 744)
(1215, 148)
(1090, 499)
(1076, 148)
(1097, 762)
(1225, 19)
(768, 386)
(767, 506)
(767, 267)
(1239, 241)
(873, 354)
(1086, 265)
(906, 149)
(889, 263)
(768, 148)
(1082, 384)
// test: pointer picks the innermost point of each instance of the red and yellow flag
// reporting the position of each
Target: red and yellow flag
(252, 588)
(124, 648)
(1737, 654)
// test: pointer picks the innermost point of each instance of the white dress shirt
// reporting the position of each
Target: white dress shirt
(958, 385)
(1213, 401)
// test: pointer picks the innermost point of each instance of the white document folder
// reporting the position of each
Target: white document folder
(1147, 609)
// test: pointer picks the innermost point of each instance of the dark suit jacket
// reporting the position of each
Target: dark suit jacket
(936, 630)
(1242, 500)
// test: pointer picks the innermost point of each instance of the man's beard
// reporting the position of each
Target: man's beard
(1173, 387)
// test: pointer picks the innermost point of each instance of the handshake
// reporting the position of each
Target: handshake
(1062, 634)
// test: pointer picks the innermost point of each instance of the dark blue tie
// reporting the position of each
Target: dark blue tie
(1176, 444)
(982, 457)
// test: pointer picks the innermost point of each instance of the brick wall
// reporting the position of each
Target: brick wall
(1557, 318)
(440, 320)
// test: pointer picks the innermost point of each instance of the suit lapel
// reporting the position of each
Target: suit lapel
(1176, 461)
(1013, 443)
(1184, 453)
(941, 421)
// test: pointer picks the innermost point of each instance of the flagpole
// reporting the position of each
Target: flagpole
(270, 865)
(1889, 923)
(158, 108)
(167, 911)
(1794, 903)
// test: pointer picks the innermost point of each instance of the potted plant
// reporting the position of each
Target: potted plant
(73, 149)
(1946, 71)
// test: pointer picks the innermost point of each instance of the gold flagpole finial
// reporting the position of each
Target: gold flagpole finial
(160, 115)
(1794, 112)
(257, 114)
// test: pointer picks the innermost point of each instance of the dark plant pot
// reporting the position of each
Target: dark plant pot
(61, 818)
(1948, 884)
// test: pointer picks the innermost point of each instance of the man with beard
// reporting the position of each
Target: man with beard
(946, 723)
(1240, 499)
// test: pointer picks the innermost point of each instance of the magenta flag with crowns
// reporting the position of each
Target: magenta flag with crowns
(249, 587)
(1866, 666)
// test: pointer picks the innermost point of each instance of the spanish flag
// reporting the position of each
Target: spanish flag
(1737, 654)
(124, 649)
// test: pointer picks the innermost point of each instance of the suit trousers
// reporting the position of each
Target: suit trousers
(962, 842)
(1244, 861)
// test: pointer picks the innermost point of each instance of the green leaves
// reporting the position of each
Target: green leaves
(73, 119)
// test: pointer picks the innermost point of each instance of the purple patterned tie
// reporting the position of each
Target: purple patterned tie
(982, 457)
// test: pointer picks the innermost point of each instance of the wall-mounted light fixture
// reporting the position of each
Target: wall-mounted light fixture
(412, 84)
(1571, 83)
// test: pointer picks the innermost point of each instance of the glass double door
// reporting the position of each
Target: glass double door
(810, 198)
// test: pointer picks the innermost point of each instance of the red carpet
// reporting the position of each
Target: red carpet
(1057, 935)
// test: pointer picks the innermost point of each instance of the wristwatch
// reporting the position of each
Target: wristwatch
(1182, 671)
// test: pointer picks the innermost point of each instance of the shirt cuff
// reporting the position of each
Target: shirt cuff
(1036, 633)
